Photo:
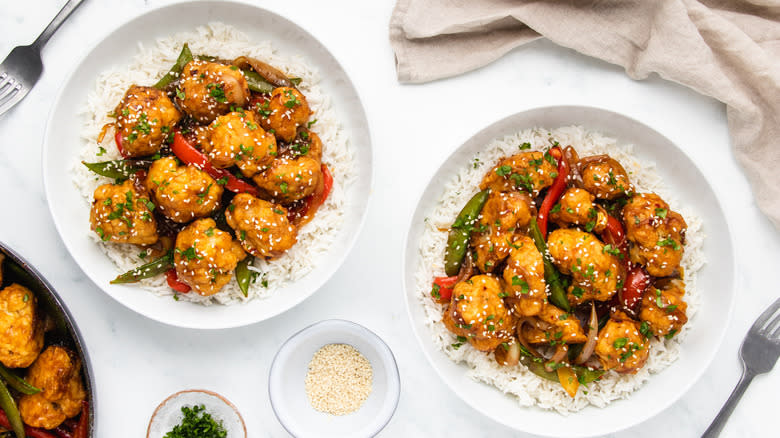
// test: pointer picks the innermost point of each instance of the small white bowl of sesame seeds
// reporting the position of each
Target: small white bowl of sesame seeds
(334, 378)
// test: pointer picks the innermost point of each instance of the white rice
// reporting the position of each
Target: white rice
(217, 39)
(528, 388)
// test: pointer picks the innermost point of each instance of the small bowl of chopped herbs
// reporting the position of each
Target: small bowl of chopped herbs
(196, 413)
(334, 378)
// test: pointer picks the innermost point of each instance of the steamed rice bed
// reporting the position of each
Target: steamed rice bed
(151, 63)
(528, 388)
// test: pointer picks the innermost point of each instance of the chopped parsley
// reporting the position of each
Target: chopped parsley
(216, 91)
(525, 146)
(503, 170)
(292, 99)
(197, 423)
(517, 281)
(669, 242)
(661, 212)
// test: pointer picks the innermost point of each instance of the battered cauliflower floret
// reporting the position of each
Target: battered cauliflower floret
(205, 256)
(57, 372)
(289, 180)
(182, 193)
(307, 143)
(21, 331)
(607, 179)
(576, 207)
(620, 345)
(209, 89)
(563, 328)
(663, 308)
(284, 112)
(262, 227)
(594, 271)
(237, 139)
(524, 277)
(527, 171)
(145, 118)
(502, 214)
(477, 312)
(656, 232)
(121, 214)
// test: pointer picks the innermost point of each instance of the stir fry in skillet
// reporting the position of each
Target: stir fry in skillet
(220, 166)
(558, 264)
(42, 392)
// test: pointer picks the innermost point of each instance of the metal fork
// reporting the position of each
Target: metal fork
(759, 352)
(22, 68)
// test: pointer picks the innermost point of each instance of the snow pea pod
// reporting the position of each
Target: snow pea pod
(551, 275)
(151, 269)
(184, 57)
(458, 239)
(244, 275)
(119, 170)
(256, 82)
(17, 382)
(8, 405)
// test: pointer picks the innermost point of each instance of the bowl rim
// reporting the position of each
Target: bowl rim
(73, 329)
(198, 391)
(647, 413)
(358, 107)
(367, 334)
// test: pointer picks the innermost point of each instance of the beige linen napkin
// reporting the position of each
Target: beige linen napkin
(727, 49)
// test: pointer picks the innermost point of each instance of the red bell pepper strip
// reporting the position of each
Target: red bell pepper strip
(188, 154)
(118, 139)
(614, 235)
(300, 215)
(442, 288)
(637, 281)
(173, 281)
(555, 192)
(81, 429)
(61, 432)
(31, 432)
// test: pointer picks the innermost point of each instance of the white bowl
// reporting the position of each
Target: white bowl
(288, 372)
(715, 280)
(62, 143)
(168, 414)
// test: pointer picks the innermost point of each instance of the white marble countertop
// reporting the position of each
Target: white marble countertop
(138, 362)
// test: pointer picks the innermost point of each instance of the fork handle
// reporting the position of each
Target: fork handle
(725, 412)
(64, 13)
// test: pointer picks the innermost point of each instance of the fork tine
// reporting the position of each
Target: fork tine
(9, 92)
(773, 324)
(5, 78)
(764, 317)
(8, 104)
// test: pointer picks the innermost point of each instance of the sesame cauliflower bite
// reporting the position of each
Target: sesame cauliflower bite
(145, 118)
(576, 207)
(262, 227)
(237, 139)
(285, 111)
(561, 328)
(21, 331)
(307, 143)
(289, 180)
(656, 233)
(57, 373)
(121, 214)
(524, 277)
(606, 179)
(582, 255)
(205, 256)
(182, 193)
(527, 171)
(477, 312)
(621, 346)
(209, 89)
(663, 308)
(501, 215)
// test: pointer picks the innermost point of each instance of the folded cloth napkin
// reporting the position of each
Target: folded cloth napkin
(726, 49)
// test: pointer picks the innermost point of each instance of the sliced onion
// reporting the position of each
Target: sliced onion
(508, 356)
(466, 268)
(267, 71)
(573, 159)
(560, 354)
(590, 344)
(522, 339)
